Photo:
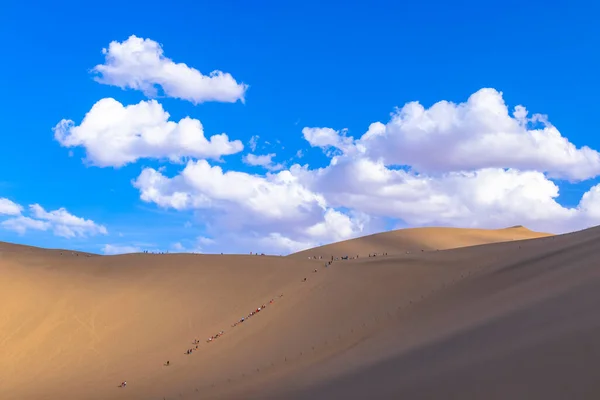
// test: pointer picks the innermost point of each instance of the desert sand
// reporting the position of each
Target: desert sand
(447, 313)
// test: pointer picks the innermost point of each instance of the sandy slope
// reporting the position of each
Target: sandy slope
(507, 320)
(521, 324)
(418, 239)
(74, 324)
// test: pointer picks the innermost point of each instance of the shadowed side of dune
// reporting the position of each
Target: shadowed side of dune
(528, 354)
(524, 326)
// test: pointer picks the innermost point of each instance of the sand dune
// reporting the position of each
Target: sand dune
(507, 320)
(418, 239)
(520, 324)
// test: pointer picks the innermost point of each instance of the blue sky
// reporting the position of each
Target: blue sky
(308, 64)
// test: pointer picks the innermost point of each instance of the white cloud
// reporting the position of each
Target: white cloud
(21, 224)
(487, 198)
(197, 245)
(67, 225)
(326, 138)
(337, 226)
(140, 64)
(205, 240)
(112, 249)
(479, 133)
(178, 247)
(8, 207)
(265, 161)
(201, 185)
(276, 205)
(60, 222)
(277, 241)
(253, 142)
(115, 135)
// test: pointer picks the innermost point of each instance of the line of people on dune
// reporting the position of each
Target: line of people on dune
(346, 257)
(253, 313)
(196, 342)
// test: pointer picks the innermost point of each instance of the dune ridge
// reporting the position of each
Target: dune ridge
(418, 239)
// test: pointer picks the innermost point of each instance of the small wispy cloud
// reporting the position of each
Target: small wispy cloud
(195, 247)
(112, 249)
(265, 161)
(253, 142)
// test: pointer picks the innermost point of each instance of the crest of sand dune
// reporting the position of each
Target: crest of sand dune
(417, 239)
(516, 319)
